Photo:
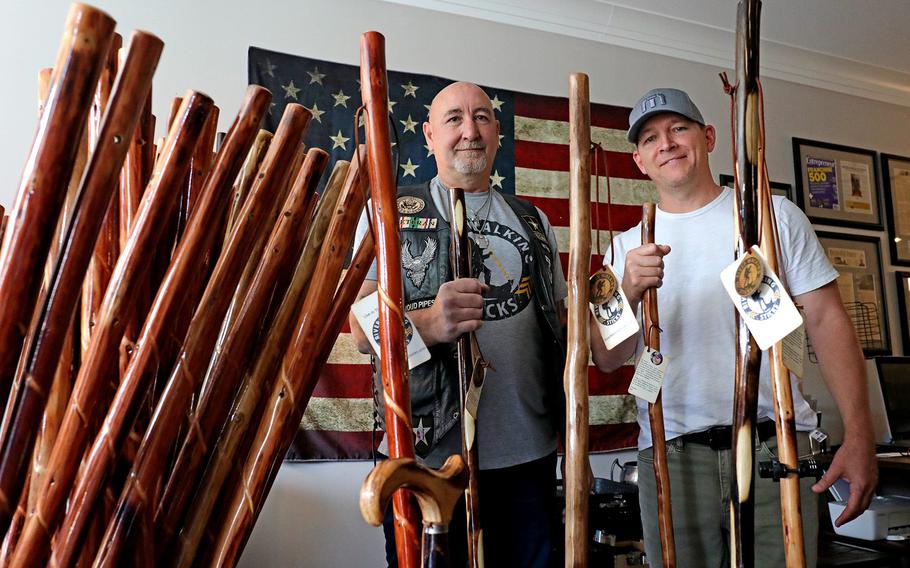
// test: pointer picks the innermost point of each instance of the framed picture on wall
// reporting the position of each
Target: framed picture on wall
(858, 260)
(896, 185)
(777, 187)
(837, 185)
(903, 303)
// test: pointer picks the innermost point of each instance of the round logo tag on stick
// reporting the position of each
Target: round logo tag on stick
(602, 285)
(749, 275)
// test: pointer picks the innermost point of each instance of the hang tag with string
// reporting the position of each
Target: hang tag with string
(615, 321)
(366, 310)
(769, 312)
(794, 350)
(649, 375)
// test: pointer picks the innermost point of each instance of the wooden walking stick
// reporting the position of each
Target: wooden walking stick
(393, 354)
(655, 410)
(107, 249)
(88, 34)
(750, 163)
(249, 407)
(100, 365)
(97, 187)
(149, 467)
(748, 355)
(575, 378)
(226, 375)
(437, 493)
(290, 392)
(179, 292)
(471, 371)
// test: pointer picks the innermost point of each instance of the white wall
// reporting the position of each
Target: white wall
(311, 517)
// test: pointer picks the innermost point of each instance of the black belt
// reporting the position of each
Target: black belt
(721, 437)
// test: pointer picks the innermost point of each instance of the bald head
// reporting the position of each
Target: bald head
(463, 133)
(453, 95)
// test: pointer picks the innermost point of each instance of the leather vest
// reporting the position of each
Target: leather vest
(425, 240)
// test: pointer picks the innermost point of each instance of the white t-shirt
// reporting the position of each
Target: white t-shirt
(697, 316)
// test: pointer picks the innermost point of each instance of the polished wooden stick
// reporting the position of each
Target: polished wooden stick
(249, 407)
(748, 355)
(781, 392)
(179, 292)
(575, 377)
(290, 393)
(87, 36)
(470, 380)
(655, 410)
(393, 353)
(97, 187)
(100, 365)
(149, 467)
(226, 369)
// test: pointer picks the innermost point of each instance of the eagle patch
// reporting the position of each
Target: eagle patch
(409, 205)
(416, 266)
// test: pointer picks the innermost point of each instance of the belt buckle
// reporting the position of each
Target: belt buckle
(717, 440)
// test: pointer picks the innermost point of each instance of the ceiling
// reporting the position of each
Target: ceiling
(858, 47)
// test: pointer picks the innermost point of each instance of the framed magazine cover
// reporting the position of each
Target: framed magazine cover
(837, 185)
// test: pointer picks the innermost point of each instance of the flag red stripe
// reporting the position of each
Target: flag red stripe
(555, 157)
(604, 437)
(557, 108)
(612, 383)
(344, 380)
(331, 445)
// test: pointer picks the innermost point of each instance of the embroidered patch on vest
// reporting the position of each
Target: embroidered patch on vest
(416, 266)
(423, 434)
(408, 205)
(417, 223)
(419, 304)
(536, 228)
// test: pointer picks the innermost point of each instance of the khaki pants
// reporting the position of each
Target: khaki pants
(700, 496)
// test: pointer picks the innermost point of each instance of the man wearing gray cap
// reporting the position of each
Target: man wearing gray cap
(694, 229)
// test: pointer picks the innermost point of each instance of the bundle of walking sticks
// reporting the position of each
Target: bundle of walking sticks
(162, 323)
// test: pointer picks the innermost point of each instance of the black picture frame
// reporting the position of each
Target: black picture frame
(858, 259)
(824, 199)
(896, 188)
(777, 187)
(903, 303)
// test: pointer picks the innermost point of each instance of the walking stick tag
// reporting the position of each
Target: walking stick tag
(649, 375)
(366, 310)
(615, 321)
(769, 312)
(794, 350)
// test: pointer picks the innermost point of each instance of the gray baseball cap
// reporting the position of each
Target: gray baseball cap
(657, 101)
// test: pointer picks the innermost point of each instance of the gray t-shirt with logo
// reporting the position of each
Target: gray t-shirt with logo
(513, 426)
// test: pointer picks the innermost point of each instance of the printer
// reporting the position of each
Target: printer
(885, 517)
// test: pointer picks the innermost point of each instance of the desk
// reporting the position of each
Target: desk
(836, 550)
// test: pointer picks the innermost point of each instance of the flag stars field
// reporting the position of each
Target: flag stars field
(290, 91)
(316, 76)
(340, 99)
(497, 104)
(496, 179)
(410, 169)
(339, 141)
(268, 68)
(410, 90)
(409, 124)
(317, 114)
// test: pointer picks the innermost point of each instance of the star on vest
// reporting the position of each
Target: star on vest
(416, 267)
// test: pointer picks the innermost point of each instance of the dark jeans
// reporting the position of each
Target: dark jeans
(517, 513)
